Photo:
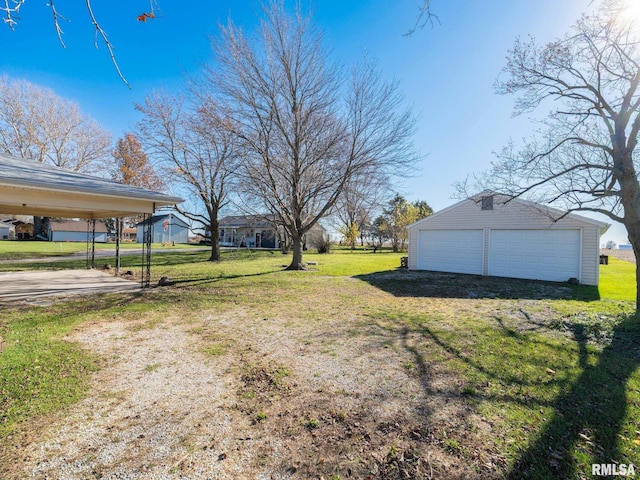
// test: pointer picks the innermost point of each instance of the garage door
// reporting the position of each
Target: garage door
(552, 255)
(456, 251)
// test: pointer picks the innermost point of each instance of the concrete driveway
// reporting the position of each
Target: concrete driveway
(33, 285)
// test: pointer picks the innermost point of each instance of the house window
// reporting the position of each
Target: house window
(487, 203)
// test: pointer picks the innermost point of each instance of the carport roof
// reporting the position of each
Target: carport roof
(32, 188)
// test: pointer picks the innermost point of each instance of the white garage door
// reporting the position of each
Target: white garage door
(456, 251)
(552, 255)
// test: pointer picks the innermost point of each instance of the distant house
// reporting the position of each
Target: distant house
(253, 231)
(129, 234)
(261, 231)
(166, 228)
(24, 231)
(75, 231)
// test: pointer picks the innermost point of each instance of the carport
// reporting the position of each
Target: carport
(32, 188)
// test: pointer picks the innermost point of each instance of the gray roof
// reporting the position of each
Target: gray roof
(17, 171)
(30, 187)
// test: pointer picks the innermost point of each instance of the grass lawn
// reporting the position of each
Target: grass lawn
(357, 367)
(15, 250)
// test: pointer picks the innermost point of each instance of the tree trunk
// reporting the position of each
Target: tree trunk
(634, 238)
(296, 261)
(215, 243)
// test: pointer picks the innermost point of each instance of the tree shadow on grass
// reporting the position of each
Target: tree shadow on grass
(589, 416)
(411, 283)
(570, 420)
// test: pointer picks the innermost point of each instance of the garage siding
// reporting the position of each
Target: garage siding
(514, 215)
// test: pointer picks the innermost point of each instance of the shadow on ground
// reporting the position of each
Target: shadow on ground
(408, 283)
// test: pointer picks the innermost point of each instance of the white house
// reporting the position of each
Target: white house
(75, 231)
(492, 235)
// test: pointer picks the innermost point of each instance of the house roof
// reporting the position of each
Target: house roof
(75, 226)
(31, 188)
(244, 221)
(550, 211)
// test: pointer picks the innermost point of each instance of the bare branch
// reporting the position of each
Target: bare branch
(100, 32)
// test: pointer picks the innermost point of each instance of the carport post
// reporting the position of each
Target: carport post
(118, 233)
(91, 231)
(146, 251)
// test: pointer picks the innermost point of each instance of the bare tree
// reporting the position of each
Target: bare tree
(37, 124)
(584, 158)
(425, 17)
(199, 151)
(303, 141)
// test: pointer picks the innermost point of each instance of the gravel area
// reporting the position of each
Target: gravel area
(161, 408)
(154, 400)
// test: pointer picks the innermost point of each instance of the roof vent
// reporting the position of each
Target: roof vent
(487, 203)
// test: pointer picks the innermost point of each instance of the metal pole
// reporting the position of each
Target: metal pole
(146, 251)
(118, 234)
(93, 244)
(86, 259)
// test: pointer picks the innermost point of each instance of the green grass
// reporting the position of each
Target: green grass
(40, 372)
(558, 396)
(617, 280)
(15, 250)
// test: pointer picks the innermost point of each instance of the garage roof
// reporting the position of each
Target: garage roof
(32, 188)
(552, 213)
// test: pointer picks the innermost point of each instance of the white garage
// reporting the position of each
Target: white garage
(491, 235)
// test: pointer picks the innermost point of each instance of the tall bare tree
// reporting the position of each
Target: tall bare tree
(585, 158)
(199, 153)
(305, 135)
(37, 124)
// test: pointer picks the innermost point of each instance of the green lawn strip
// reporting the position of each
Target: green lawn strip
(618, 280)
(15, 250)
(40, 372)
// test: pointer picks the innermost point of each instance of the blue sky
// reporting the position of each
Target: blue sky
(446, 72)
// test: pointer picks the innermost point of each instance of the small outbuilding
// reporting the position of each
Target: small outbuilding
(502, 236)
(76, 231)
(165, 228)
